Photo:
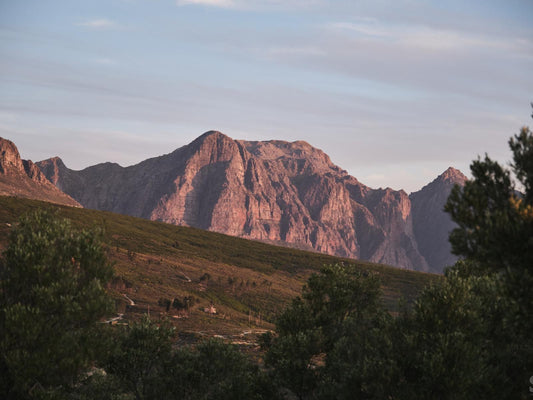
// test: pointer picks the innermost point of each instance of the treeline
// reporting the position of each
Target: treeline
(469, 336)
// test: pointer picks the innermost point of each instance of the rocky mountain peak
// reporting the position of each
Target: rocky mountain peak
(432, 226)
(22, 178)
(452, 175)
(51, 168)
(212, 146)
(210, 138)
(10, 160)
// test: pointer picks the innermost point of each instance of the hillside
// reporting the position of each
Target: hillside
(248, 282)
(274, 191)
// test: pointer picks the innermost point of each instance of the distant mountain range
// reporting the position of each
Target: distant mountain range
(273, 191)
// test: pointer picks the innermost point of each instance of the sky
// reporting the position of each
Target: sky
(393, 91)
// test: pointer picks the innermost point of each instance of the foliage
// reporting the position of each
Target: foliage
(328, 334)
(52, 295)
(140, 357)
(215, 370)
(146, 367)
(495, 221)
(440, 347)
(495, 233)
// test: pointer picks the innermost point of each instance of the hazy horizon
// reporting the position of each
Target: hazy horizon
(394, 92)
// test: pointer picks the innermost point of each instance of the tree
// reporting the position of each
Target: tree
(495, 235)
(495, 220)
(440, 347)
(52, 295)
(140, 358)
(147, 367)
(331, 341)
(214, 370)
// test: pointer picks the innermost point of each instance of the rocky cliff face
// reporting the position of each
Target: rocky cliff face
(432, 226)
(275, 191)
(22, 178)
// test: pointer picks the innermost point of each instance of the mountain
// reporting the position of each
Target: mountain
(432, 226)
(22, 178)
(273, 191)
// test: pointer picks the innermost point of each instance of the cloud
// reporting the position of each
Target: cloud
(210, 3)
(253, 4)
(101, 23)
(421, 37)
(296, 50)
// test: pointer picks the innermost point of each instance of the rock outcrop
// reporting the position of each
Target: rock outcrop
(22, 178)
(274, 191)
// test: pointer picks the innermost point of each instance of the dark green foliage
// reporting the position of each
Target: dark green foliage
(99, 385)
(495, 234)
(52, 295)
(522, 147)
(164, 302)
(495, 223)
(145, 366)
(330, 342)
(140, 358)
(178, 304)
(440, 347)
(215, 370)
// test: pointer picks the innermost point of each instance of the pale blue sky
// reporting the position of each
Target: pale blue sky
(394, 91)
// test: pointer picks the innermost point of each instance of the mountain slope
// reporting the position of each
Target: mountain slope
(432, 226)
(22, 178)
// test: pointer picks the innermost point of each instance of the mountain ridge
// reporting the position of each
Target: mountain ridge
(23, 178)
(274, 191)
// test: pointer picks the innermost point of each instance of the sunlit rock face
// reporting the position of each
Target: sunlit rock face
(274, 191)
(22, 178)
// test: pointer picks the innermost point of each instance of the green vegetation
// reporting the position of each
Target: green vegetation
(339, 316)
(51, 296)
(248, 282)
(143, 365)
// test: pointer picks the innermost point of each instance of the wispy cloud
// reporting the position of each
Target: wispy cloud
(100, 23)
(296, 50)
(211, 3)
(253, 4)
(421, 37)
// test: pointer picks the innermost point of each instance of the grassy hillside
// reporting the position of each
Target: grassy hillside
(247, 281)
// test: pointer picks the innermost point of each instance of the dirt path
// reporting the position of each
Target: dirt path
(132, 303)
